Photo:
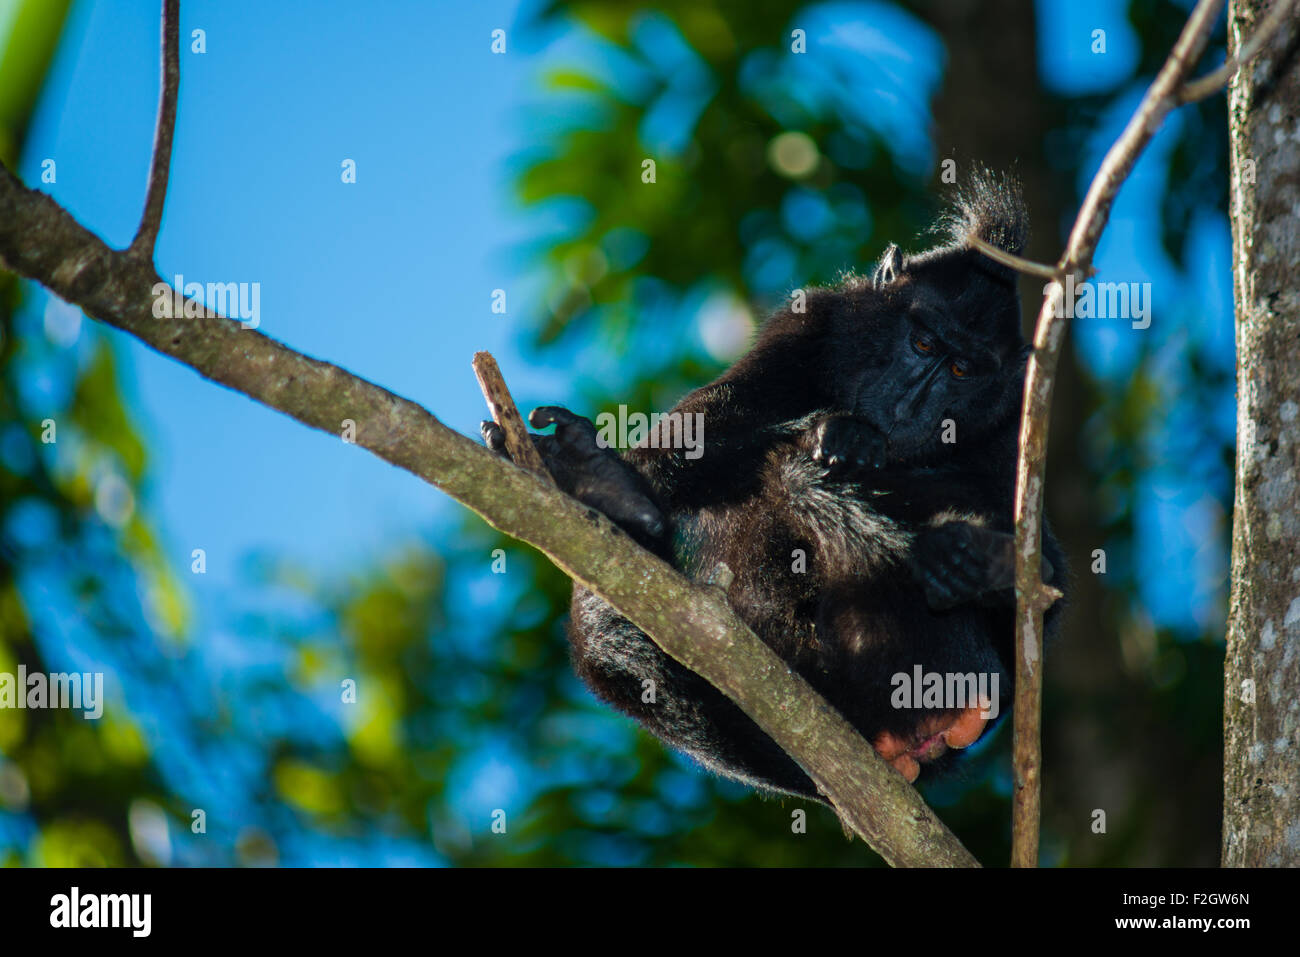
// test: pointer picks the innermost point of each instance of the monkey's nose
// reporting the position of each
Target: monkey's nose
(906, 409)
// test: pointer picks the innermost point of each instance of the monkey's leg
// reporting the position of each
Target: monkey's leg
(625, 668)
(593, 475)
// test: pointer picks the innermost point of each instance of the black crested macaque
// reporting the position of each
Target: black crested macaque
(857, 477)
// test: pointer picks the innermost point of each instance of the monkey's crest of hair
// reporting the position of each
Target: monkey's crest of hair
(991, 207)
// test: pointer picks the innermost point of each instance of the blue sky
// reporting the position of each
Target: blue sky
(390, 277)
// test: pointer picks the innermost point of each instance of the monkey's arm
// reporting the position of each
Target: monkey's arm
(629, 671)
(735, 432)
(593, 475)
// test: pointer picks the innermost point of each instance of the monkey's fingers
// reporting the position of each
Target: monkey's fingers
(949, 574)
(940, 595)
(966, 569)
(494, 437)
(908, 767)
(846, 445)
(545, 415)
(574, 433)
(966, 729)
(896, 752)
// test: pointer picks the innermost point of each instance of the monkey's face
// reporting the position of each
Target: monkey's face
(943, 367)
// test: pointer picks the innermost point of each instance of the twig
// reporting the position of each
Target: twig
(504, 413)
(1018, 263)
(1202, 87)
(146, 237)
(1159, 99)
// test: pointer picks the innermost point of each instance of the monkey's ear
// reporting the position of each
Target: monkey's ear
(889, 268)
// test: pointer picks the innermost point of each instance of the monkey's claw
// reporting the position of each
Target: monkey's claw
(572, 431)
(494, 437)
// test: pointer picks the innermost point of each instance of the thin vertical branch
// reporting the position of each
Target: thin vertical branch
(1031, 603)
(1200, 88)
(146, 237)
(1169, 89)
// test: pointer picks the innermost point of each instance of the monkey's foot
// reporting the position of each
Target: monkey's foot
(932, 740)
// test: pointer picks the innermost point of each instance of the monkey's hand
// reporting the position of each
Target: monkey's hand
(593, 475)
(845, 444)
(958, 562)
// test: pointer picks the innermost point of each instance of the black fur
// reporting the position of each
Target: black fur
(826, 439)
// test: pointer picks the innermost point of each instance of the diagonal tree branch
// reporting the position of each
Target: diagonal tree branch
(691, 622)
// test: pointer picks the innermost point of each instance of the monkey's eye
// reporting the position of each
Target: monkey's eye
(923, 344)
(959, 368)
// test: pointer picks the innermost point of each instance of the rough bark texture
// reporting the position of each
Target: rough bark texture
(1261, 821)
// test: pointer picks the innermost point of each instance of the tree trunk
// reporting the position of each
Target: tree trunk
(1261, 799)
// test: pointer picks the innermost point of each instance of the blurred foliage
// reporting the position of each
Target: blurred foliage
(458, 717)
(389, 716)
(71, 465)
(26, 48)
(763, 167)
